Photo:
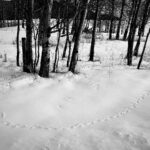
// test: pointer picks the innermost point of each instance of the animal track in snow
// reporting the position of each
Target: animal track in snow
(75, 126)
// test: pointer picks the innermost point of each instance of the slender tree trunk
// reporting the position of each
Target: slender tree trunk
(147, 18)
(41, 28)
(69, 54)
(78, 36)
(141, 28)
(45, 60)
(141, 58)
(3, 13)
(120, 19)
(129, 22)
(24, 52)
(133, 27)
(65, 48)
(127, 29)
(18, 32)
(29, 16)
(94, 33)
(67, 31)
(112, 19)
(55, 66)
(75, 20)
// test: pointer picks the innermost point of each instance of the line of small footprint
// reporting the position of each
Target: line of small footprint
(118, 115)
(9, 124)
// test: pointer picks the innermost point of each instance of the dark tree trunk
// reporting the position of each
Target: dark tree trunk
(45, 60)
(18, 32)
(78, 36)
(29, 16)
(41, 27)
(2, 13)
(120, 19)
(112, 19)
(76, 24)
(22, 13)
(69, 54)
(67, 31)
(75, 20)
(65, 48)
(94, 32)
(136, 6)
(141, 58)
(24, 52)
(55, 66)
(129, 22)
(127, 29)
(141, 28)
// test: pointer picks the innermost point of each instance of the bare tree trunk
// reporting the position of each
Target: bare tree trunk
(45, 60)
(69, 54)
(55, 66)
(78, 36)
(127, 28)
(136, 6)
(67, 31)
(24, 52)
(141, 58)
(29, 16)
(94, 32)
(112, 19)
(36, 52)
(141, 28)
(75, 20)
(65, 48)
(2, 13)
(120, 19)
(18, 32)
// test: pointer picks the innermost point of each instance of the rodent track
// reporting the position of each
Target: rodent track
(5, 122)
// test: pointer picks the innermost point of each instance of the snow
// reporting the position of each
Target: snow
(105, 106)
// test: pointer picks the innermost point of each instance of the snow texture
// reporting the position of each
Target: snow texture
(105, 106)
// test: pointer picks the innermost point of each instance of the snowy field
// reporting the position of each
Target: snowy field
(103, 107)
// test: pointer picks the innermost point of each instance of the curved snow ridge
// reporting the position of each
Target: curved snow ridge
(7, 123)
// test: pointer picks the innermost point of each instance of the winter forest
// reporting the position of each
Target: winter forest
(74, 74)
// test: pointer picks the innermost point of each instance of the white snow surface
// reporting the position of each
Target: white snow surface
(105, 106)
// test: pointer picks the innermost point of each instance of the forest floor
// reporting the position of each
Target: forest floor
(105, 106)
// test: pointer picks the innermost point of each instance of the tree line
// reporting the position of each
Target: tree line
(72, 18)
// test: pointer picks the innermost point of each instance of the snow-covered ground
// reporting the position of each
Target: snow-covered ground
(106, 106)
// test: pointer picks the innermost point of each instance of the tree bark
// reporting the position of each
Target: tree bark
(94, 32)
(18, 32)
(136, 6)
(67, 31)
(55, 66)
(45, 60)
(112, 19)
(120, 19)
(141, 58)
(141, 28)
(74, 57)
(75, 20)
(29, 16)
(127, 28)
(24, 52)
